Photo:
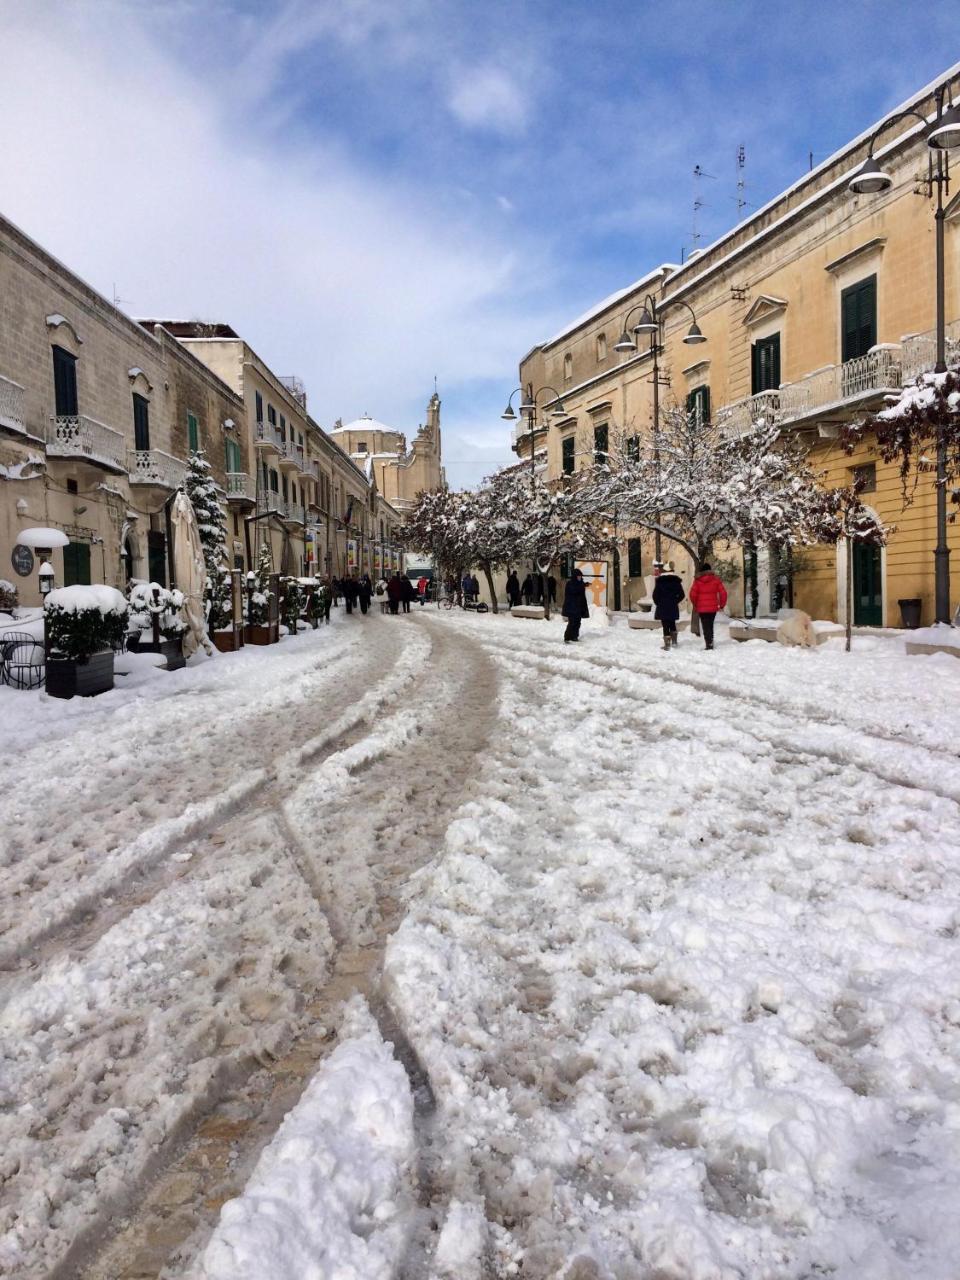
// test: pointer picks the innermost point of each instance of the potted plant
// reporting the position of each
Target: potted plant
(155, 622)
(262, 625)
(293, 604)
(84, 627)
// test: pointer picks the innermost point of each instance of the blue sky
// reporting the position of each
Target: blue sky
(379, 193)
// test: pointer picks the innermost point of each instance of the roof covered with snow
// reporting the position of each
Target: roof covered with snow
(363, 423)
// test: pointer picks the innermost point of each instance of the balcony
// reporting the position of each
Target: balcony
(12, 414)
(919, 352)
(239, 487)
(153, 466)
(267, 437)
(291, 456)
(78, 436)
(269, 502)
(836, 388)
(740, 417)
(293, 512)
(522, 429)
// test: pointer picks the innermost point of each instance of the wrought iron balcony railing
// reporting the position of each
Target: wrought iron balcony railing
(153, 466)
(12, 413)
(837, 385)
(742, 415)
(268, 436)
(77, 436)
(919, 351)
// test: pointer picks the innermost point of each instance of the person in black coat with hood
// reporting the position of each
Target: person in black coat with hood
(513, 588)
(574, 606)
(667, 593)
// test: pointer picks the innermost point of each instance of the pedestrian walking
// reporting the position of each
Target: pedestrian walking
(423, 586)
(667, 593)
(707, 595)
(395, 593)
(527, 589)
(408, 593)
(351, 591)
(513, 588)
(364, 593)
(552, 589)
(574, 606)
(322, 601)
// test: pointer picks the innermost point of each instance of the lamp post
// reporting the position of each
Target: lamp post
(528, 406)
(943, 134)
(651, 322)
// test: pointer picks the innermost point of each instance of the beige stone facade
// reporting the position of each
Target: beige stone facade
(400, 473)
(317, 508)
(96, 420)
(775, 299)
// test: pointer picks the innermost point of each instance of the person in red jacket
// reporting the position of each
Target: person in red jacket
(707, 595)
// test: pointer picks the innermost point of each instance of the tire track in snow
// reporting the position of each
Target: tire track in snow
(361, 823)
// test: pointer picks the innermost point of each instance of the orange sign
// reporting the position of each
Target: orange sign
(595, 580)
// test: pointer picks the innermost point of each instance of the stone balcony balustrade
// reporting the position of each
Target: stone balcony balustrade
(78, 436)
(12, 412)
(153, 466)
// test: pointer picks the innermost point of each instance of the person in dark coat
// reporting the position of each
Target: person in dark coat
(708, 595)
(574, 606)
(527, 589)
(667, 593)
(364, 593)
(408, 593)
(513, 588)
(552, 589)
(394, 593)
(351, 591)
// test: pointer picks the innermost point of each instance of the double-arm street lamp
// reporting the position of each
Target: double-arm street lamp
(528, 408)
(942, 135)
(651, 322)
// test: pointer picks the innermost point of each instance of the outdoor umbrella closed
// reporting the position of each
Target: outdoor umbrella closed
(190, 572)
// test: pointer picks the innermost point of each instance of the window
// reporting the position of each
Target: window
(634, 563)
(698, 405)
(271, 415)
(274, 482)
(283, 427)
(633, 448)
(568, 452)
(141, 422)
(232, 459)
(193, 433)
(72, 486)
(858, 319)
(65, 382)
(361, 446)
(236, 525)
(865, 477)
(259, 407)
(765, 364)
(567, 367)
(601, 347)
(286, 492)
(601, 444)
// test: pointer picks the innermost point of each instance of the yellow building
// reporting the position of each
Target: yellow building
(813, 309)
(400, 472)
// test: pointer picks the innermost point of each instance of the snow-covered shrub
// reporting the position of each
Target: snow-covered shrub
(8, 594)
(202, 492)
(84, 620)
(293, 602)
(258, 609)
(147, 600)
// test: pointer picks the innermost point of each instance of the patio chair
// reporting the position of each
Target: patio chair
(22, 660)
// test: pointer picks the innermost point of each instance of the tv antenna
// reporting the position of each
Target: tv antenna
(741, 183)
(698, 173)
(117, 300)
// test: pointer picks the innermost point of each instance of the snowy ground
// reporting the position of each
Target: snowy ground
(673, 937)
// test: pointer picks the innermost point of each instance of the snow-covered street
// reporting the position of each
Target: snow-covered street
(650, 962)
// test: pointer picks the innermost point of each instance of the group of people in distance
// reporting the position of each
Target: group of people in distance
(357, 591)
(708, 595)
(531, 590)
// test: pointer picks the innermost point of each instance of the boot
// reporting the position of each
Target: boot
(666, 642)
(673, 639)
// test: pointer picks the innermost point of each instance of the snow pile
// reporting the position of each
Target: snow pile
(940, 633)
(686, 981)
(328, 1196)
(77, 599)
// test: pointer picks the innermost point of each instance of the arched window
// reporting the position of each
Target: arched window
(601, 347)
(567, 367)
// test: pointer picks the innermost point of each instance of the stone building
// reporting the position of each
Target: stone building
(814, 308)
(400, 473)
(97, 417)
(318, 510)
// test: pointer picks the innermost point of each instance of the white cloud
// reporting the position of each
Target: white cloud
(135, 166)
(488, 98)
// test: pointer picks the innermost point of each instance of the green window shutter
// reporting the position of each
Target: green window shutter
(765, 364)
(232, 455)
(858, 319)
(568, 448)
(141, 423)
(193, 433)
(698, 405)
(64, 383)
(601, 443)
(76, 565)
(634, 561)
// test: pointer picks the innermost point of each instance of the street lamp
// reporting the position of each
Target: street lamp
(651, 322)
(943, 134)
(528, 406)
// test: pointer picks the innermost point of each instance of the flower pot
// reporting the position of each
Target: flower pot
(228, 641)
(259, 633)
(910, 613)
(172, 650)
(68, 679)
